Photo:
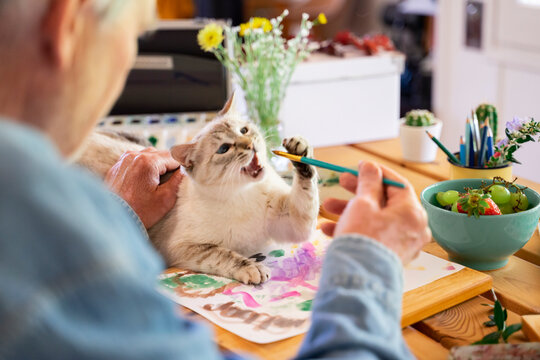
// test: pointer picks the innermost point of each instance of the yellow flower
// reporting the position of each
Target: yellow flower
(255, 23)
(321, 19)
(210, 37)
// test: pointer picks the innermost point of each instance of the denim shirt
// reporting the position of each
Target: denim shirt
(78, 275)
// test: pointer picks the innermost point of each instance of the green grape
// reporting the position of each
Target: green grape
(450, 197)
(454, 207)
(440, 199)
(506, 208)
(499, 194)
(519, 201)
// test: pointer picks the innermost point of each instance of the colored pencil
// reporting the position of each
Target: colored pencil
(467, 141)
(489, 144)
(462, 152)
(482, 151)
(325, 165)
(472, 152)
(443, 148)
(477, 135)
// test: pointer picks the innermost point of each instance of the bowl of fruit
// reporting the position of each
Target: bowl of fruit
(480, 223)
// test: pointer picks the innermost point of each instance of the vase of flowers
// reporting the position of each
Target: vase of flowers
(262, 62)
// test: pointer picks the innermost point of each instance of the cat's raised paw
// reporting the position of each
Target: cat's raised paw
(297, 145)
(250, 272)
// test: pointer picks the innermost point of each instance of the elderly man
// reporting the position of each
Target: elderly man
(77, 274)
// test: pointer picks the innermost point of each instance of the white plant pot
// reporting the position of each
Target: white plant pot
(416, 144)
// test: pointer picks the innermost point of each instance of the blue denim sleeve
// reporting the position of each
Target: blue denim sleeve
(77, 276)
(357, 310)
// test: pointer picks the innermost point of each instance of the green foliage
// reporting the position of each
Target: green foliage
(419, 118)
(488, 111)
(498, 319)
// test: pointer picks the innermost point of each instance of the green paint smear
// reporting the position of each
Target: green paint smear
(305, 306)
(200, 282)
(277, 253)
(169, 282)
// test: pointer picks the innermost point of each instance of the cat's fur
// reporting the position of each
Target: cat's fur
(231, 205)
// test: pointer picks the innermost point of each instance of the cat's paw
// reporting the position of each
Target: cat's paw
(250, 272)
(297, 145)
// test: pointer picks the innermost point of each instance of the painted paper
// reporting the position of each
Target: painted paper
(281, 307)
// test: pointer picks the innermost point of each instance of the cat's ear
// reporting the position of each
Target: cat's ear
(182, 154)
(230, 105)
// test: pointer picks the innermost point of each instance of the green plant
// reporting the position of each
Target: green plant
(262, 62)
(488, 111)
(419, 118)
(498, 319)
(518, 131)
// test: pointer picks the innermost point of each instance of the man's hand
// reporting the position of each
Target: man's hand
(135, 178)
(390, 215)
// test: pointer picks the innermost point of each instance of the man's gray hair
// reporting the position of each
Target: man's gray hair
(18, 17)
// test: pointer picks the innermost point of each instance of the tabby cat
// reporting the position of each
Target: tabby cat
(232, 202)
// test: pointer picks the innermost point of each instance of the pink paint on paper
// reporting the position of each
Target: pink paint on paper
(302, 267)
(286, 295)
(249, 301)
(450, 268)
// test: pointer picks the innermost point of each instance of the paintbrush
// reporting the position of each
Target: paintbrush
(325, 165)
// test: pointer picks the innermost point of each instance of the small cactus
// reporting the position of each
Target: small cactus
(419, 118)
(484, 111)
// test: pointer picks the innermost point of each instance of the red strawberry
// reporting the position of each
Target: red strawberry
(477, 203)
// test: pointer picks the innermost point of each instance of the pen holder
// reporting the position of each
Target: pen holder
(463, 172)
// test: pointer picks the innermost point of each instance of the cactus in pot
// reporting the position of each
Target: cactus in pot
(415, 144)
(419, 118)
(484, 111)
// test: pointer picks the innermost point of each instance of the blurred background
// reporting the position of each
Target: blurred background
(458, 53)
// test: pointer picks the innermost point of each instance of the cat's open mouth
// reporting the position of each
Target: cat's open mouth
(253, 169)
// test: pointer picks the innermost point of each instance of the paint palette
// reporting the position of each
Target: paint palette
(281, 307)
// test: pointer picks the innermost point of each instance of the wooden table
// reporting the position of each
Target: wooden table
(517, 285)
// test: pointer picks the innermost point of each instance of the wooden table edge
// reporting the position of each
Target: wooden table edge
(478, 283)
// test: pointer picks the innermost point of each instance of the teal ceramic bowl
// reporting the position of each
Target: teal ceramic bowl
(483, 243)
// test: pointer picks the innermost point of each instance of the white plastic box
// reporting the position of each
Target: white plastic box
(335, 101)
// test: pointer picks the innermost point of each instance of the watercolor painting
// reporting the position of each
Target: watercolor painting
(281, 307)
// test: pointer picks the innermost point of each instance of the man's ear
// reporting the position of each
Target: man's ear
(182, 154)
(230, 106)
(59, 31)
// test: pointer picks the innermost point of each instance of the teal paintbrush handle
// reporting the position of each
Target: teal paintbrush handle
(338, 168)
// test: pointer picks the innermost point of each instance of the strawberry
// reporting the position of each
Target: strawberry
(477, 203)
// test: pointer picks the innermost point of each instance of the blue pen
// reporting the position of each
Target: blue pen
(462, 152)
(467, 142)
(482, 151)
(489, 144)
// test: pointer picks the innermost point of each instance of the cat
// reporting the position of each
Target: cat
(232, 202)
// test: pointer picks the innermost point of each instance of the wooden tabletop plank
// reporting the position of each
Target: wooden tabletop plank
(517, 284)
(531, 327)
(441, 294)
(531, 251)
(463, 324)
(423, 347)
(390, 150)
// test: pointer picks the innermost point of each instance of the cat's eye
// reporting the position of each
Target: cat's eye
(244, 130)
(223, 149)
